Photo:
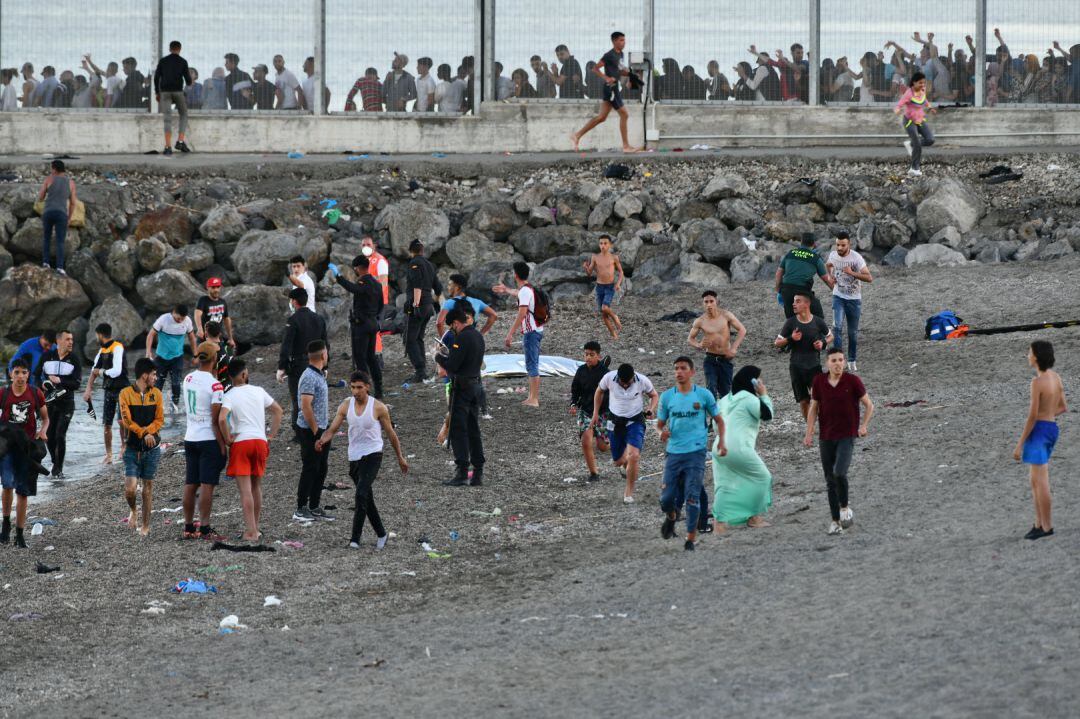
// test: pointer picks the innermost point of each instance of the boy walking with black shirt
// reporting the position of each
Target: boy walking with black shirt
(582, 394)
(62, 369)
(807, 334)
(611, 69)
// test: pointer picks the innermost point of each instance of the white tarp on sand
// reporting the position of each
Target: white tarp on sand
(514, 366)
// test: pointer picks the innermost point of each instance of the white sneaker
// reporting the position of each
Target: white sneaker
(354, 545)
(835, 528)
(628, 500)
(176, 408)
(486, 416)
(914, 173)
(907, 146)
(381, 541)
(852, 366)
(847, 518)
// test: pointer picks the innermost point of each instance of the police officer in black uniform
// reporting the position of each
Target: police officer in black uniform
(421, 287)
(463, 363)
(364, 320)
(303, 327)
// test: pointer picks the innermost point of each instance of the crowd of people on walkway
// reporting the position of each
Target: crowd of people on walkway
(229, 421)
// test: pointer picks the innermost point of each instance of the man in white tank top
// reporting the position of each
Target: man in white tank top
(367, 419)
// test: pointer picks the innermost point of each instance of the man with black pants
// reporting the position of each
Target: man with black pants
(463, 363)
(795, 275)
(364, 319)
(61, 367)
(807, 335)
(312, 420)
(421, 288)
(302, 328)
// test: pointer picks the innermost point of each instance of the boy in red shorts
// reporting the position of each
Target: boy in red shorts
(243, 425)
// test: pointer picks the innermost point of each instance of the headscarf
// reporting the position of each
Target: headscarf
(742, 381)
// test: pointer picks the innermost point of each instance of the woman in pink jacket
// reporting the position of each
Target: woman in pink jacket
(914, 103)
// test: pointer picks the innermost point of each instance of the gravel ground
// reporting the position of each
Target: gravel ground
(569, 603)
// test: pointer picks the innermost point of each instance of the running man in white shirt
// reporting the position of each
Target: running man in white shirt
(367, 418)
(626, 421)
(849, 271)
(242, 422)
(204, 445)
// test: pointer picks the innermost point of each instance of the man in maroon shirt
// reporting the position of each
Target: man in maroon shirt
(835, 397)
(22, 408)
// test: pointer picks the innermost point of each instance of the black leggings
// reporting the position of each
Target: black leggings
(363, 355)
(56, 438)
(363, 472)
(835, 460)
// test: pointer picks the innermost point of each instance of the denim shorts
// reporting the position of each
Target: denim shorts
(15, 474)
(532, 353)
(605, 295)
(141, 464)
(633, 435)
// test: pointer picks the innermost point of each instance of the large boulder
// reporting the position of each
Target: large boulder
(711, 239)
(496, 220)
(949, 202)
(121, 263)
(864, 234)
(692, 209)
(288, 215)
(628, 205)
(19, 197)
(532, 197)
(891, 232)
(472, 248)
(164, 289)
(26, 242)
(224, 223)
(568, 268)
(896, 257)
(796, 192)
(262, 257)
(937, 255)
(723, 186)
(259, 313)
(190, 258)
(601, 213)
(852, 212)
(35, 299)
(788, 230)
(541, 216)
(109, 208)
(174, 223)
(745, 267)
(829, 194)
(8, 225)
(572, 209)
(151, 252)
(86, 270)
(483, 277)
(410, 220)
(1055, 250)
(6, 261)
(124, 319)
(736, 212)
(693, 271)
(949, 236)
(542, 243)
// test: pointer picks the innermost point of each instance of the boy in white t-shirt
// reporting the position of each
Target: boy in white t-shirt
(242, 422)
(299, 277)
(531, 326)
(848, 270)
(285, 85)
(425, 86)
(204, 445)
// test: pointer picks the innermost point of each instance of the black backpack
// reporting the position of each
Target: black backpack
(618, 172)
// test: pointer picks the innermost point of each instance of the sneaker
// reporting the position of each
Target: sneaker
(381, 542)
(182, 146)
(303, 515)
(594, 477)
(46, 266)
(847, 518)
(835, 528)
(61, 272)
(628, 500)
(176, 408)
(5, 531)
(168, 151)
(907, 146)
(354, 545)
(914, 173)
(59, 476)
(320, 513)
(1033, 533)
(707, 529)
(20, 541)
(688, 546)
(853, 366)
(486, 415)
(667, 529)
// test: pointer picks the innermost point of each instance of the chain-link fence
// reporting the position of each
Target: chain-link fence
(76, 55)
(1033, 52)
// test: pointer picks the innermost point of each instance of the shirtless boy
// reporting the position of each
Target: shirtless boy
(611, 69)
(609, 277)
(1041, 433)
(714, 327)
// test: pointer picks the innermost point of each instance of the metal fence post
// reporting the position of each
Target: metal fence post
(319, 108)
(980, 53)
(157, 39)
(478, 50)
(814, 52)
(486, 77)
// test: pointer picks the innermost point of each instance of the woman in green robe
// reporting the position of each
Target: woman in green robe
(742, 485)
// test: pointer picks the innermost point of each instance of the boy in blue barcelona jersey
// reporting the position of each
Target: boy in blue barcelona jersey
(682, 421)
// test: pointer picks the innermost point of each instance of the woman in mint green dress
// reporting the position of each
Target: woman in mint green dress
(742, 485)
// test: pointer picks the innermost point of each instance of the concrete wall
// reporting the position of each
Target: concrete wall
(526, 127)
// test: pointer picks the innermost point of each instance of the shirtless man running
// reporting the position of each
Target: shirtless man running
(714, 327)
(1041, 433)
(609, 276)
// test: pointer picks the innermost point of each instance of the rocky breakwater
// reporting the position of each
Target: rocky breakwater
(702, 223)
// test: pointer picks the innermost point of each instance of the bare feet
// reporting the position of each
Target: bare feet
(252, 537)
(531, 403)
(757, 523)
(107, 459)
(145, 530)
(575, 139)
(627, 149)
(133, 522)
(720, 527)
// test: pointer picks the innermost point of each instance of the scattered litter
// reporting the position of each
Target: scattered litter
(534, 528)
(374, 665)
(407, 574)
(166, 510)
(454, 536)
(43, 521)
(231, 622)
(294, 155)
(700, 147)
(1053, 168)
(45, 568)
(532, 619)
(541, 456)
(153, 611)
(427, 650)
(493, 513)
(271, 601)
(569, 480)
(750, 244)
(241, 547)
(438, 154)
(50, 548)
(641, 350)
(193, 586)
(285, 628)
(304, 196)
(292, 543)
(680, 316)
(378, 574)
(38, 530)
(328, 203)
(25, 617)
(79, 520)
(841, 675)
(907, 403)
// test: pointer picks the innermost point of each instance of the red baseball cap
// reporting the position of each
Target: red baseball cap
(213, 282)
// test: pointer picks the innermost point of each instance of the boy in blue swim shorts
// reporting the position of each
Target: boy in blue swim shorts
(1041, 433)
(609, 277)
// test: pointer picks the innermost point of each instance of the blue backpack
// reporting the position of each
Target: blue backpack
(940, 325)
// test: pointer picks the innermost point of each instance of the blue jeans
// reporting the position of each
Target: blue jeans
(852, 310)
(718, 372)
(684, 474)
(54, 221)
(173, 367)
(531, 341)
